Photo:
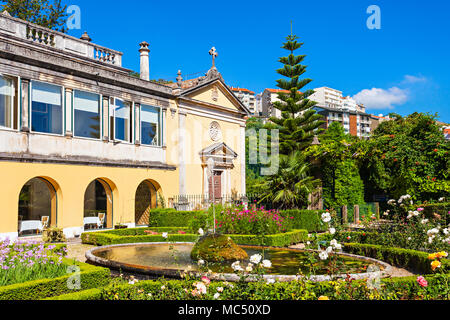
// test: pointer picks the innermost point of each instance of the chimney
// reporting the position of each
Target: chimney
(145, 64)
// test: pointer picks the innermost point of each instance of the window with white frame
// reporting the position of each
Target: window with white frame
(8, 103)
(86, 114)
(46, 108)
(120, 120)
(150, 125)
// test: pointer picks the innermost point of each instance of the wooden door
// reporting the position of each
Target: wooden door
(217, 186)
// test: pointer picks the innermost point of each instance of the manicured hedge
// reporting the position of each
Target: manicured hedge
(86, 295)
(275, 240)
(415, 261)
(172, 218)
(306, 220)
(91, 277)
(106, 239)
(127, 236)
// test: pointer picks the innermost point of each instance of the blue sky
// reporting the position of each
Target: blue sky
(403, 68)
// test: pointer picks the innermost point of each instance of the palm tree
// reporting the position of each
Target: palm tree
(291, 187)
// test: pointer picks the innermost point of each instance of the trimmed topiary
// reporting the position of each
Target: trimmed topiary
(217, 248)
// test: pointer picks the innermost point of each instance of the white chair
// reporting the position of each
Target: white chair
(102, 217)
(45, 221)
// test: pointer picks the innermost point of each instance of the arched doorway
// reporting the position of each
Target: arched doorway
(98, 206)
(145, 200)
(37, 207)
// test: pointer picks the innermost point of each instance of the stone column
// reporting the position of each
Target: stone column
(243, 158)
(163, 128)
(68, 111)
(182, 151)
(26, 100)
(377, 210)
(356, 214)
(163, 138)
(229, 187)
(105, 121)
(205, 181)
(344, 215)
(137, 124)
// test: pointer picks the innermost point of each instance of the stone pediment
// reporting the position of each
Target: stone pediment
(211, 91)
(222, 155)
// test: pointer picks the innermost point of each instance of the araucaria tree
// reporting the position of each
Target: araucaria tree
(45, 13)
(299, 121)
(298, 125)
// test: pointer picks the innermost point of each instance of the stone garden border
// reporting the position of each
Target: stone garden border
(172, 273)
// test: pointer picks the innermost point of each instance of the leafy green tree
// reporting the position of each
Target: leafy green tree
(407, 156)
(337, 166)
(48, 14)
(253, 170)
(299, 122)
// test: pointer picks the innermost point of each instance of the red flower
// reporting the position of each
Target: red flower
(436, 150)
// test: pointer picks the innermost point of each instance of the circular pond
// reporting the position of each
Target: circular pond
(170, 260)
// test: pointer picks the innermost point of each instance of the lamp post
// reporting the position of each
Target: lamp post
(210, 164)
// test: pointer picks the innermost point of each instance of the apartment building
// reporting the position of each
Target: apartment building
(247, 98)
(356, 123)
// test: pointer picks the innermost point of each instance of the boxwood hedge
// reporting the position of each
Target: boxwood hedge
(310, 220)
(90, 276)
(415, 261)
(127, 236)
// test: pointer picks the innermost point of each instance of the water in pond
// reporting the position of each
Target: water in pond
(177, 257)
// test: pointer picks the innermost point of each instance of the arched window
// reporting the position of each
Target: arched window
(98, 206)
(37, 207)
(146, 199)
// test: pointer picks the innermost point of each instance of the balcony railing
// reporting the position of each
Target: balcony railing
(57, 40)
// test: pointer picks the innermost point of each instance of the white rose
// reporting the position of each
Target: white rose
(201, 232)
(267, 264)
(165, 235)
(217, 296)
(332, 230)
(255, 259)
(323, 255)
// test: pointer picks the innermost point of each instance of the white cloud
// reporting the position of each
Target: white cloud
(413, 79)
(377, 98)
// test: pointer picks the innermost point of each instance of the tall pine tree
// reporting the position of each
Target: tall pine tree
(299, 121)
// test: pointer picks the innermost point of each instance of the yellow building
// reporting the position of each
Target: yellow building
(86, 145)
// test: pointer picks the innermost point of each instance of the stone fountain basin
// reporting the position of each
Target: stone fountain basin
(93, 257)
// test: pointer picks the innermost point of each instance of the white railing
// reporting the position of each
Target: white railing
(54, 39)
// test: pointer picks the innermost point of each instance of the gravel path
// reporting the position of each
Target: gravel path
(77, 250)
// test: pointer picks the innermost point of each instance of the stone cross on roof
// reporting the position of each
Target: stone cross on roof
(213, 52)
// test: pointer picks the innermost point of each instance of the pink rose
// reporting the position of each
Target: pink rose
(420, 209)
(206, 281)
(422, 282)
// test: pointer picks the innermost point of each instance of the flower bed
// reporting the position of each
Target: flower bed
(140, 236)
(227, 220)
(391, 289)
(26, 261)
